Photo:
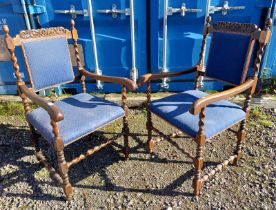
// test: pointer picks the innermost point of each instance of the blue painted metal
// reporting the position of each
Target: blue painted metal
(36, 9)
(114, 39)
(184, 37)
(11, 13)
(185, 33)
(269, 64)
(112, 36)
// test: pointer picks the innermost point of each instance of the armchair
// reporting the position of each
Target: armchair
(48, 64)
(203, 116)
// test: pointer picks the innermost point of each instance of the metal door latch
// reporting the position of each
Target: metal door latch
(114, 11)
(73, 12)
(182, 10)
(225, 8)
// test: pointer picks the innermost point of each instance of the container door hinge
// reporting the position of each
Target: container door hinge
(114, 11)
(36, 9)
(224, 9)
(182, 10)
(73, 12)
(30, 9)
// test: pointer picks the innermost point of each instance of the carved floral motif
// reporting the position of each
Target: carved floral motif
(235, 27)
(40, 33)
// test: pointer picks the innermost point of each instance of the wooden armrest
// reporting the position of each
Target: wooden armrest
(147, 77)
(53, 111)
(205, 101)
(119, 80)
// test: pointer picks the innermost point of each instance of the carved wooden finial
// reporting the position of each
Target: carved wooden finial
(268, 23)
(72, 22)
(209, 19)
(6, 29)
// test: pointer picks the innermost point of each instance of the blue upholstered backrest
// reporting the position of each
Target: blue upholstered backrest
(227, 56)
(48, 62)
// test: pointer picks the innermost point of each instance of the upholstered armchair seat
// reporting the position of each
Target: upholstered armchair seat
(83, 114)
(175, 110)
(48, 63)
(203, 116)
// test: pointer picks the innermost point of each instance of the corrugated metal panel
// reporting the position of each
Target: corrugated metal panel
(184, 32)
(113, 34)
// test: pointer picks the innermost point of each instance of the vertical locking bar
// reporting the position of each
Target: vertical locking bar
(165, 84)
(25, 13)
(270, 14)
(134, 71)
(207, 13)
(94, 45)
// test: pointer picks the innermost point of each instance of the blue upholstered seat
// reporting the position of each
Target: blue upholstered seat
(49, 62)
(175, 110)
(83, 114)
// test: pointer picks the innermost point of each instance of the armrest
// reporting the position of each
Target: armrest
(53, 111)
(205, 101)
(147, 77)
(119, 80)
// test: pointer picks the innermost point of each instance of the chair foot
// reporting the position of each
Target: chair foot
(239, 149)
(39, 156)
(68, 190)
(150, 146)
(239, 156)
(126, 153)
(197, 187)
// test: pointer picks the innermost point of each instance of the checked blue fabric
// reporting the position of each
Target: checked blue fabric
(175, 110)
(227, 57)
(49, 62)
(83, 114)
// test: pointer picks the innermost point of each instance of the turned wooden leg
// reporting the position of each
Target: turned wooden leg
(241, 138)
(125, 123)
(241, 133)
(198, 161)
(126, 144)
(150, 143)
(35, 137)
(126, 135)
(63, 170)
(149, 125)
(62, 164)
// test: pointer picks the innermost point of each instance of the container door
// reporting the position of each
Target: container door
(19, 15)
(184, 21)
(176, 34)
(117, 55)
(13, 13)
(269, 64)
(242, 11)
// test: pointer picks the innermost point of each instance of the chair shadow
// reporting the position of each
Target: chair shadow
(13, 151)
(17, 145)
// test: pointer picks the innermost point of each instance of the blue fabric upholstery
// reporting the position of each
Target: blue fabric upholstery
(49, 62)
(227, 56)
(175, 109)
(83, 114)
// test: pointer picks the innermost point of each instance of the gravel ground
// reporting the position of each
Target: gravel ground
(159, 181)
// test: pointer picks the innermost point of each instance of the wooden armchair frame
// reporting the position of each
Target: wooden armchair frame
(200, 105)
(56, 115)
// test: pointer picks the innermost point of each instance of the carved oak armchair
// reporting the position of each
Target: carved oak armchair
(203, 116)
(48, 64)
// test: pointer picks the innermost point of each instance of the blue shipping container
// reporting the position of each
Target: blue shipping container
(142, 40)
(176, 33)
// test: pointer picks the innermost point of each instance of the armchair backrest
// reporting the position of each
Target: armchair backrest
(46, 55)
(230, 51)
